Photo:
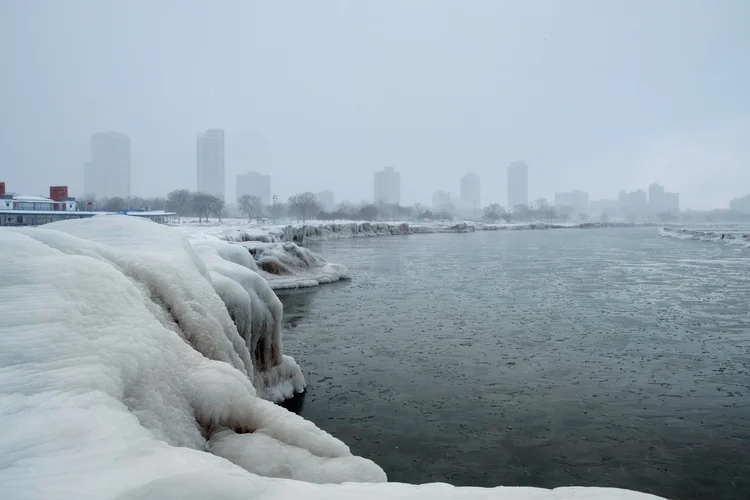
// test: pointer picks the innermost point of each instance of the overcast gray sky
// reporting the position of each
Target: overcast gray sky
(592, 94)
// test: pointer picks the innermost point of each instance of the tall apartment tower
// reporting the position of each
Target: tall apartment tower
(210, 161)
(518, 184)
(470, 192)
(255, 184)
(107, 175)
(387, 187)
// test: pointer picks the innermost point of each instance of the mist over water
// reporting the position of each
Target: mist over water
(605, 357)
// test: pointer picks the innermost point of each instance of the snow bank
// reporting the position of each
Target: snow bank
(730, 235)
(123, 376)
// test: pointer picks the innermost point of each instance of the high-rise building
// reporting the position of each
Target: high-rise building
(210, 161)
(387, 187)
(107, 175)
(441, 201)
(660, 201)
(471, 192)
(518, 184)
(325, 198)
(255, 184)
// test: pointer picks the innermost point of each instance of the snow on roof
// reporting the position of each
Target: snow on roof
(149, 213)
(33, 198)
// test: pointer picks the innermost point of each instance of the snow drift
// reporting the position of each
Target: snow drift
(123, 375)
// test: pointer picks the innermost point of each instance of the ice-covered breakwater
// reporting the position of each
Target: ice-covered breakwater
(136, 365)
(329, 231)
(730, 235)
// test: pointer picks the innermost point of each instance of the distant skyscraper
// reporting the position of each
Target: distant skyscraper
(255, 184)
(470, 191)
(210, 160)
(108, 173)
(387, 187)
(518, 184)
(325, 198)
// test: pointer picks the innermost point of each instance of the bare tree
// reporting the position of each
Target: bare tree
(494, 212)
(249, 205)
(114, 204)
(368, 212)
(203, 204)
(418, 210)
(217, 207)
(304, 204)
(180, 201)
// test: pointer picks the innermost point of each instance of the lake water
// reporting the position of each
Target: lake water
(609, 357)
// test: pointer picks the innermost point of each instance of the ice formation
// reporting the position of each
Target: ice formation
(730, 235)
(123, 376)
(241, 231)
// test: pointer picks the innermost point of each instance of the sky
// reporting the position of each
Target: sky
(592, 95)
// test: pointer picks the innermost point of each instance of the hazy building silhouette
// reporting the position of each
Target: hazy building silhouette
(325, 199)
(210, 162)
(471, 192)
(254, 184)
(634, 203)
(741, 204)
(107, 175)
(576, 200)
(387, 187)
(660, 201)
(441, 201)
(518, 184)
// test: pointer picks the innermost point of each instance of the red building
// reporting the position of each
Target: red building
(57, 193)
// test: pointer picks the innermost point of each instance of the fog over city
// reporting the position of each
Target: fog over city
(591, 95)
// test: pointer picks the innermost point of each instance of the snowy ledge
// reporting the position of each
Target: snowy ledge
(134, 365)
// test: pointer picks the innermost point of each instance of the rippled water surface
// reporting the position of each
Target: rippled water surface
(609, 357)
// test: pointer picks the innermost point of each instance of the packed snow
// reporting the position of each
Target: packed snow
(135, 365)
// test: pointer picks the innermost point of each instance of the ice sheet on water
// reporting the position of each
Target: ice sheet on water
(105, 392)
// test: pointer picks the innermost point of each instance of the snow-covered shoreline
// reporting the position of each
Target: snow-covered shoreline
(242, 231)
(135, 363)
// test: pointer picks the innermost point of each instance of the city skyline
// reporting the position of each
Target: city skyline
(327, 122)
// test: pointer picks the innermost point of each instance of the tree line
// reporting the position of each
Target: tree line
(306, 206)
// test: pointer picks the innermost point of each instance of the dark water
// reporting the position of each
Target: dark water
(543, 358)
